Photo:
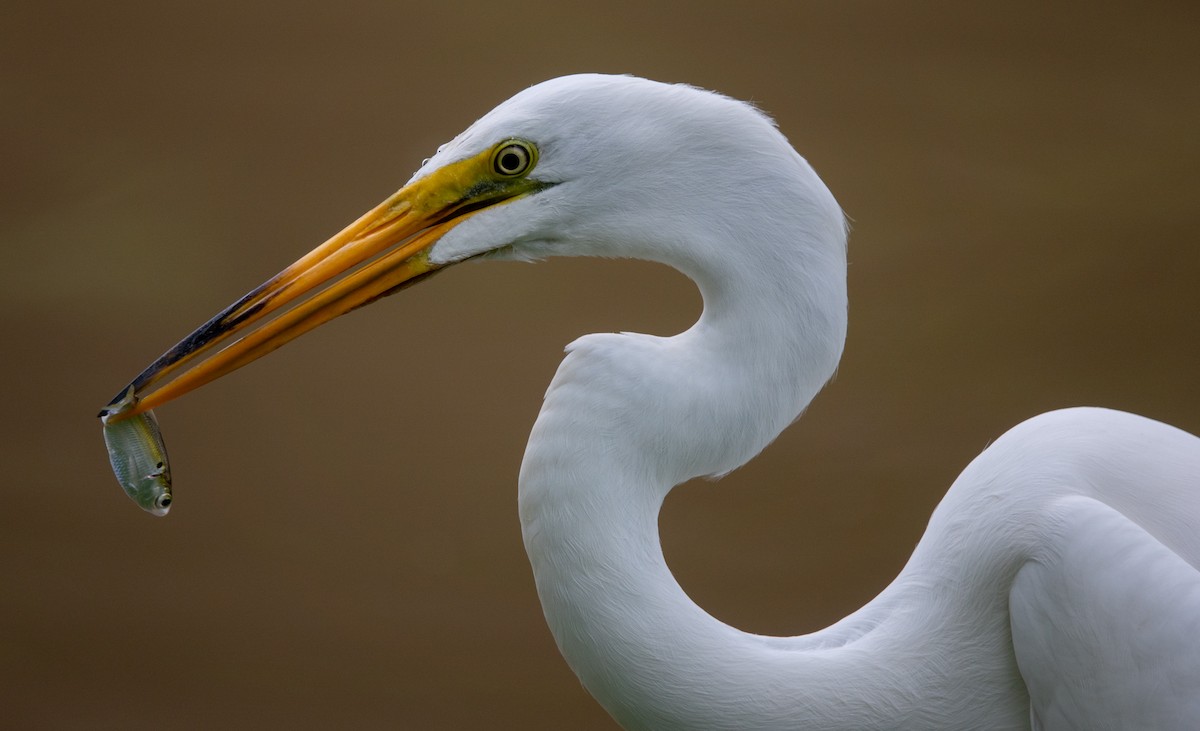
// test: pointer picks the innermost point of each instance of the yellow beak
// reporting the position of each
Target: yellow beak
(399, 231)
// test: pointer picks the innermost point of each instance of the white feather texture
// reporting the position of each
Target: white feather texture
(1057, 582)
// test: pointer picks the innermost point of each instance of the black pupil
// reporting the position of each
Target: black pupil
(510, 162)
(165, 501)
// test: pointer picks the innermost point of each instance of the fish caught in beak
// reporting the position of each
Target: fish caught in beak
(385, 250)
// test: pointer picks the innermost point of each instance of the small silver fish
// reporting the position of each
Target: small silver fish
(138, 455)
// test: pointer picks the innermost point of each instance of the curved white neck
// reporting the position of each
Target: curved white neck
(630, 416)
(592, 484)
(627, 418)
(590, 493)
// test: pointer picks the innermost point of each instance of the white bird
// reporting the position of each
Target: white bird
(1056, 587)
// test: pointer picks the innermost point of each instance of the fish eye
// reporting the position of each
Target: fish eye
(514, 158)
(162, 502)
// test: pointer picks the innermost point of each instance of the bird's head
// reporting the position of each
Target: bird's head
(581, 165)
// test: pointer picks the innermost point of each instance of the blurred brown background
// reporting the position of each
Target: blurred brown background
(344, 549)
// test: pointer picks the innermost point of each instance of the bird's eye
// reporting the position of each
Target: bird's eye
(514, 158)
(162, 502)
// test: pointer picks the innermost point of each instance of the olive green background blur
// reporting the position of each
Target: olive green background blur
(344, 548)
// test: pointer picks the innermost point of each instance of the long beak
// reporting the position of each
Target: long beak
(399, 231)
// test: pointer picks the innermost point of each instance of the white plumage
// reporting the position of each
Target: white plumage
(1057, 584)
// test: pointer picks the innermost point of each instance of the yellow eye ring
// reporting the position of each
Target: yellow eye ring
(514, 158)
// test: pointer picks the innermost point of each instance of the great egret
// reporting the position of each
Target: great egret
(1056, 586)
